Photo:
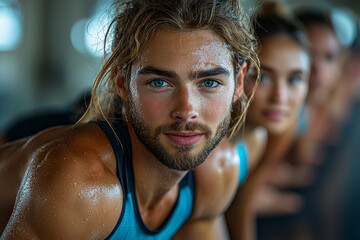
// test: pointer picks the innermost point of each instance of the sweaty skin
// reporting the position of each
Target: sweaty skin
(65, 177)
(219, 172)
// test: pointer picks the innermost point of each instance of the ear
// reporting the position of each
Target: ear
(120, 84)
(239, 86)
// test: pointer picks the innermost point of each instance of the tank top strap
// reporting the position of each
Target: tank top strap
(118, 136)
(243, 164)
(130, 224)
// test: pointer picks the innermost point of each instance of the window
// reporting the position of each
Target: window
(87, 35)
(11, 27)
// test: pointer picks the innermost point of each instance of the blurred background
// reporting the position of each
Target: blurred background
(50, 51)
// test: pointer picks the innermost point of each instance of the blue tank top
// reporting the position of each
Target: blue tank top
(243, 164)
(130, 224)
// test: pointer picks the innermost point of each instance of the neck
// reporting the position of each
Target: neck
(154, 182)
(279, 143)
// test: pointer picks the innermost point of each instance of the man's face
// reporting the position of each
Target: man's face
(180, 96)
(326, 68)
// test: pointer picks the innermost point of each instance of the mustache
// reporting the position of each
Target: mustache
(184, 126)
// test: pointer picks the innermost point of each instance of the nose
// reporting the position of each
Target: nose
(279, 93)
(184, 105)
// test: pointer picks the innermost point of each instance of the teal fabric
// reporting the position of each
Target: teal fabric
(302, 121)
(130, 224)
(243, 165)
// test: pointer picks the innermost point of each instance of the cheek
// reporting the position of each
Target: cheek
(259, 101)
(260, 97)
(214, 110)
(151, 108)
(298, 97)
(332, 71)
(335, 72)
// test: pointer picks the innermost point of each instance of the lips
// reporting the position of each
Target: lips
(184, 138)
(275, 114)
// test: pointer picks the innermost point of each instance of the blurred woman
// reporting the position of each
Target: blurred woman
(277, 103)
(323, 112)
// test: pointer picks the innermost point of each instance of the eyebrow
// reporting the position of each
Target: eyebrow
(209, 73)
(192, 75)
(299, 71)
(156, 71)
(268, 69)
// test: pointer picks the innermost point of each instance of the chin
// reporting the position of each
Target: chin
(275, 130)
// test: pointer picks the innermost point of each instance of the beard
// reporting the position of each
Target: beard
(183, 159)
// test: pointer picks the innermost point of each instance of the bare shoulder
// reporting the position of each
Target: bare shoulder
(70, 189)
(216, 181)
(256, 141)
(12, 168)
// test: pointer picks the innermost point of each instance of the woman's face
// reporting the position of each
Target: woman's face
(283, 87)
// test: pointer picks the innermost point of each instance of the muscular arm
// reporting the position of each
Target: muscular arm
(67, 193)
(11, 171)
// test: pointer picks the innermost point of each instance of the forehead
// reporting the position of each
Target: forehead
(195, 50)
(322, 39)
(283, 53)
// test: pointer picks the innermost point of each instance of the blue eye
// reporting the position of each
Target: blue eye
(210, 83)
(158, 83)
(264, 77)
(294, 80)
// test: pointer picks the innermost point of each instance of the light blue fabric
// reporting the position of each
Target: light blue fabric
(130, 224)
(243, 164)
(302, 121)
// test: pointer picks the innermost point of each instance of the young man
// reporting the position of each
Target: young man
(174, 86)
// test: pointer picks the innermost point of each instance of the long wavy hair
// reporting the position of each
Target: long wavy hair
(135, 22)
